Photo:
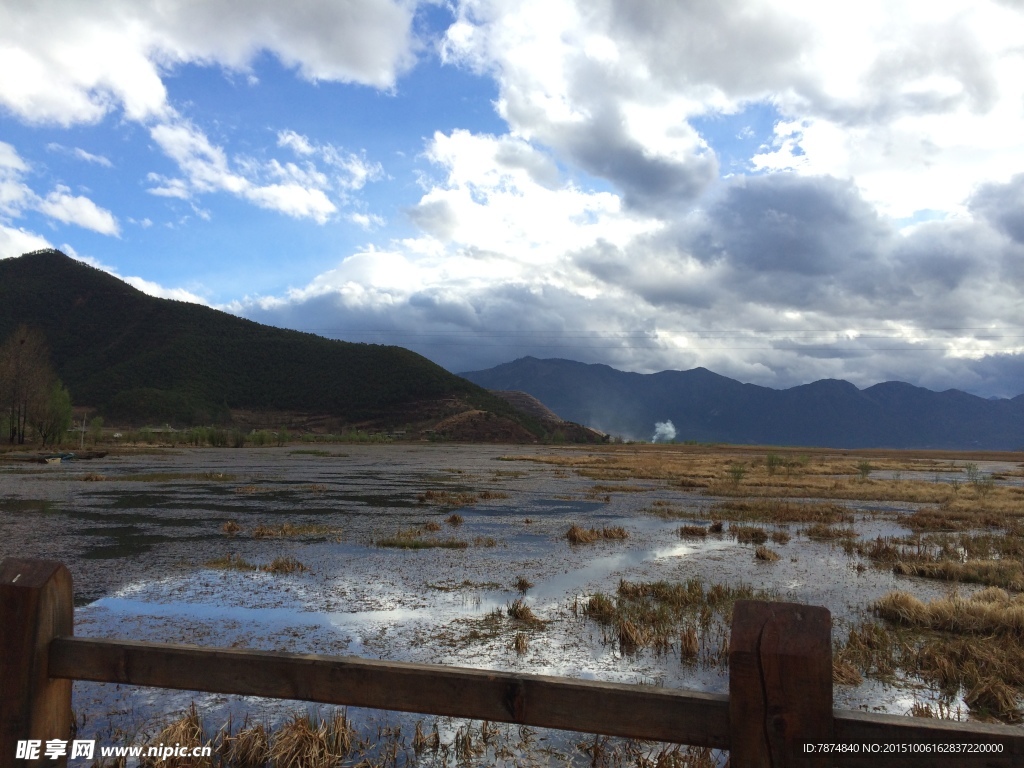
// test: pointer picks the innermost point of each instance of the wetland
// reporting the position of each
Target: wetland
(617, 563)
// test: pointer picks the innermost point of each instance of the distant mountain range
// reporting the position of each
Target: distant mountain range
(141, 359)
(707, 407)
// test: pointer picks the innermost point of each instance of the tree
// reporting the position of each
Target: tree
(52, 413)
(26, 381)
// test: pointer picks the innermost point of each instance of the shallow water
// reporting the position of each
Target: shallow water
(137, 551)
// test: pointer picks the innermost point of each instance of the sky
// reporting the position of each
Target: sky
(780, 192)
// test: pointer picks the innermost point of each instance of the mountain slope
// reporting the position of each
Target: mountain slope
(707, 407)
(135, 356)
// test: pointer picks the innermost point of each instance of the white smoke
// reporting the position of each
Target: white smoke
(664, 432)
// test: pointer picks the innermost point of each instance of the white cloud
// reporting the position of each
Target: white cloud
(75, 209)
(16, 197)
(16, 241)
(918, 104)
(295, 141)
(299, 190)
(77, 62)
(80, 154)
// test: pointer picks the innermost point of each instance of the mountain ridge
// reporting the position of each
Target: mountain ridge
(140, 358)
(708, 407)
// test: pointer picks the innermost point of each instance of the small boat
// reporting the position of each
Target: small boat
(52, 459)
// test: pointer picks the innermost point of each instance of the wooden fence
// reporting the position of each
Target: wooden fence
(779, 702)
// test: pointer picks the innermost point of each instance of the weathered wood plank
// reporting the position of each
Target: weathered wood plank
(611, 709)
(780, 683)
(892, 732)
(35, 606)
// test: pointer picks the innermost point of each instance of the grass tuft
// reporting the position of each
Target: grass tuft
(284, 565)
(579, 535)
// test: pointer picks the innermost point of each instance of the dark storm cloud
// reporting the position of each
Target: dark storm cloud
(603, 147)
(1003, 206)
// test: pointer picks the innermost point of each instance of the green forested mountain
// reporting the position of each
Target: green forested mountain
(133, 356)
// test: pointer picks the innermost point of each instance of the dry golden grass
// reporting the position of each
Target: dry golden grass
(780, 511)
(454, 519)
(521, 643)
(990, 611)
(249, 748)
(766, 554)
(666, 616)
(522, 584)
(781, 536)
(518, 610)
(693, 531)
(844, 673)
(748, 534)
(284, 565)
(432, 527)
(824, 532)
(998, 573)
(303, 742)
(230, 562)
(186, 731)
(578, 535)
(412, 538)
(457, 498)
(230, 527)
(287, 530)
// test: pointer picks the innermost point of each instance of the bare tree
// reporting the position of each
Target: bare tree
(26, 379)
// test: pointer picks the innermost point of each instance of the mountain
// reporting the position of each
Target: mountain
(140, 358)
(707, 407)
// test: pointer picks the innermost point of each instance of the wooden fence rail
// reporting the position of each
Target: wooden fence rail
(780, 688)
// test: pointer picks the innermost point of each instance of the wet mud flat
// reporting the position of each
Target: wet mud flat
(459, 555)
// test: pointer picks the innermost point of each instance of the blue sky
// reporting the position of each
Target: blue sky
(780, 192)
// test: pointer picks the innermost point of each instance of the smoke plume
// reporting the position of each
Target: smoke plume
(664, 432)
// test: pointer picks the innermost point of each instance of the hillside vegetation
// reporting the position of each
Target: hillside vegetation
(136, 357)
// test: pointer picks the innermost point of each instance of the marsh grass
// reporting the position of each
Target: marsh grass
(969, 558)
(973, 644)
(455, 520)
(412, 538)
(519, 611)
(693, 531)
(230, 527)
(1008, 574)
(668, 510)
(779, 511)
(766, 554)
(522, 584)
(187, 731)
(825, 532)
(666, 617)
(284, 565)
(579, 535)
(307, 740)
(749, 534)
(457, 498)
(289, 530)
(521, 643)
(230, 562)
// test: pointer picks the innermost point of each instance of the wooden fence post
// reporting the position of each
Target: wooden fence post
(36, 605)
(780, 684)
